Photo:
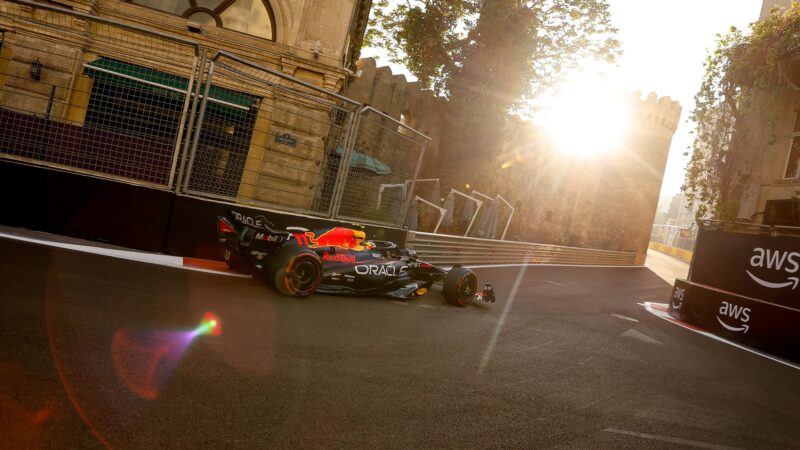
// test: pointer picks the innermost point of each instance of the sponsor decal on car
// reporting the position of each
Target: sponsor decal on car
(338, 257)
(386, 270)
(730, 310)
(247, 220)
(783, 262)
(335, 237)
(269, 237)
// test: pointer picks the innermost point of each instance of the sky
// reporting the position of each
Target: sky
(664, 44)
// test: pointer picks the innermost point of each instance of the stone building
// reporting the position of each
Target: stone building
(118, 89)
(766, 163)
(608, 202)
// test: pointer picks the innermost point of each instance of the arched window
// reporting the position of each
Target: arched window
(253, 17)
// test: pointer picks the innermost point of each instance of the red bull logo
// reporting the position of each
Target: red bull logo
(339, 258)
(335, 237)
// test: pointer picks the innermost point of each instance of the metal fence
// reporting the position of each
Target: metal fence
(92, 95)
(385, 151)
(674, 236)
(276, 142)
(116, 100)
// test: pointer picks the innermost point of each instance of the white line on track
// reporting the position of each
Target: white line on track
(150, 258)
(620, 316)
(672, 440)
(659, 310)
(506, 308)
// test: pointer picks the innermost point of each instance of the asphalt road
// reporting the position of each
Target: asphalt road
(565, 359)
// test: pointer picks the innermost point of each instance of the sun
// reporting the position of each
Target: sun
(587, 118)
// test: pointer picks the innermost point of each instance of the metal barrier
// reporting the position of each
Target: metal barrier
(276, 143)
(385, 151)
(93, 95)
(447, 250)
(674, 236)
(116, 100)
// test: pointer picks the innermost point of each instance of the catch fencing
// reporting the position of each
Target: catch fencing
(280, 147)
(674, 236)
(91, 95)
(384, 151)
(116, 100)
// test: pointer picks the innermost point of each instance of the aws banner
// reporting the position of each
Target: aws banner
(759, 266)
(753, 322)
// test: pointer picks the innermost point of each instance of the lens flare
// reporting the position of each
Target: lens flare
(210, 325)
(145, 360)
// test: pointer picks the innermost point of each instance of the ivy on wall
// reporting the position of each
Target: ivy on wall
(744, 78)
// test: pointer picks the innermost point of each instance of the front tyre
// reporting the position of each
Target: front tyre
(460, 286)
(295, 271)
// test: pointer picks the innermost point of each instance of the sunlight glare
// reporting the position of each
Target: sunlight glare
(587, 118)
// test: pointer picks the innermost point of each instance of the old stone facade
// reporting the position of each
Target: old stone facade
(311, 40)
(606, 202)
(766, 163)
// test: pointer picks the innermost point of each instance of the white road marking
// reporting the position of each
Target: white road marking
(620, 316)
(422, 305)
(670, 439)
(665, 315)
(554, 283)
(506, 308)
(639, 336)
(149, 258)
(535, 346)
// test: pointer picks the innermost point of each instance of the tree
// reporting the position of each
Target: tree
(489, 58)
(741, 85)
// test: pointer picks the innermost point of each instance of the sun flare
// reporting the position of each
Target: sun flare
(587, 118)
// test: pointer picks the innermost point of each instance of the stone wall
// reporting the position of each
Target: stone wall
(606, 202)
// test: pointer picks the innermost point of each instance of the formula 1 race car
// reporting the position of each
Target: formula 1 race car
(339, 260)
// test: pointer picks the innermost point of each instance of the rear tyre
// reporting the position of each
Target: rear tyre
(460, 286)
(295, 271)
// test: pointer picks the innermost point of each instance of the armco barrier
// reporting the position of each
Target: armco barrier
(447, 250)
(685, 255)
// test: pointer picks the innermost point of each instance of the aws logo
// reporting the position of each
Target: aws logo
(729, 310)
(780, 261)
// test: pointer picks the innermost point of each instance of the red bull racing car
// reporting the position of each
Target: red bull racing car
(339, 260)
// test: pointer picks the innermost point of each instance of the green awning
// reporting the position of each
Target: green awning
(362, 161)
(156, 79)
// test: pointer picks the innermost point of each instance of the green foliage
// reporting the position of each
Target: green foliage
(420, 35)
(489, 57)
(743, 77)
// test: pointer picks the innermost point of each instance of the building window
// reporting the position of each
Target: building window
(253, 17)
(793, 161)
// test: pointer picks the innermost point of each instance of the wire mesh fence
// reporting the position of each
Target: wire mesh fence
(385, 152)
(275, 142)
(92, 95)
(675, 236)
(113, 99)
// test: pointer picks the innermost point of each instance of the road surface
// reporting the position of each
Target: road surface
(93, 353)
